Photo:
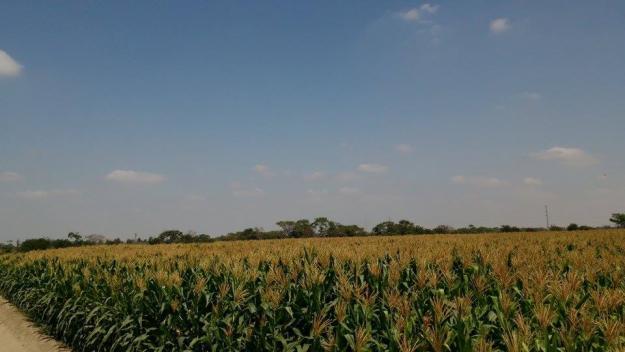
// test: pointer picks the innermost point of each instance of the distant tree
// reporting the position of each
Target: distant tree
(95, 239)
(170, 236)
(75, 236)
(204, 238)
(508, 228)
(339, 230)
(35, 244)
(303, 228)
(404, 227)
(556, 228)
(572, 227)
(322, 225)
(618, 219)
(473, 229)
(287, 227)
(7, 247)
(441, 229)
(250, 234)
(299, 228)
(384, 228)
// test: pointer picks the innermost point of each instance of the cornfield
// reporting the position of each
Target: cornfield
(550, 291)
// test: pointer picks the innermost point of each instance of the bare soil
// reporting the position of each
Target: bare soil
(18, 334)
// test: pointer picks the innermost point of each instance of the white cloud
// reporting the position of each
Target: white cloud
(8, 176)
(499, 25)
(349, 191)
(459, 179)
(242, 191)
(534, 96)
(566, 156)
(135, 177)
(532, 181)
(404, 148)
(315, 176)
(39, 194)
(410, 15)
(373, 168)
(8, 66)
(482, 182)
(263, 170)
(417, 14)
(429, 8)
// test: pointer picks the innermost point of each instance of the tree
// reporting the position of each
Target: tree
(339, 230)
(287, 227)
(170, 236)
(322, 226)
(404, 227)
(442, 229)
(618, 219)
(508, 228)
(299, 228)
(384, 228)
(35, 244)
(572, 227)
(303, 228)
(95, 238)
(74, 236)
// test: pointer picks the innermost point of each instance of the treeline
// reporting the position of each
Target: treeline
(319, 227)
(74, 239)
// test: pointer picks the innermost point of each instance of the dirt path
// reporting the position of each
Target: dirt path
(17, 334)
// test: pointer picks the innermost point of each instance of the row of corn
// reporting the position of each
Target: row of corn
(547, 292)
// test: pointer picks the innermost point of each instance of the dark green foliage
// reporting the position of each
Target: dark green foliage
(100, 307)
(618, 219)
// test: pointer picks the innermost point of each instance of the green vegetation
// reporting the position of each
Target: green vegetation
(303, 228)
(547, 291)
(618, 219)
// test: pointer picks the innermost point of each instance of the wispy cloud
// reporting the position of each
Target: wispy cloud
(346, 176)
(532, 181)
(499, 25)
(40, 194)
(264, 170)
(373, 168)
(8, 66)
(9, 176)
(316, 194)
(567, 156)
(134, 177)
(194, 198)
(478, 181)
(404, 148)
(410, 15)
(241, 191)
(417, 14)
(533, 96)
(349, 191)
(315, 176)
(429, 8)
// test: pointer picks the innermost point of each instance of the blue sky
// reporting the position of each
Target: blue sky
(134, 117)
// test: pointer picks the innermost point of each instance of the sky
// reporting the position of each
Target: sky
(122, 117)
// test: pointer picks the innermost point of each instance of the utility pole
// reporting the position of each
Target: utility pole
(547, 215)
